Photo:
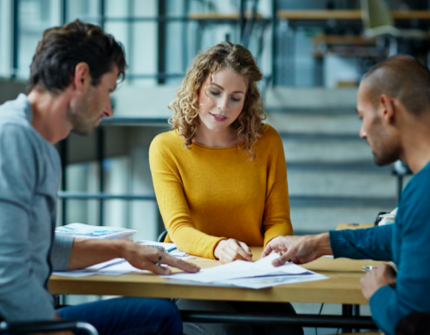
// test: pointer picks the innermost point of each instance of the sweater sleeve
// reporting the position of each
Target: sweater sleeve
(412, 236)
(174, 209)
(61, 251)
(22, 296)
(372, 243)
(277, 220)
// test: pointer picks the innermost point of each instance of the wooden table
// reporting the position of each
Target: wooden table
(347, 14)
(342, 226)
(342, 287)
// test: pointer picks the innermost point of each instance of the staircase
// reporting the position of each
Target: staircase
(331, 174)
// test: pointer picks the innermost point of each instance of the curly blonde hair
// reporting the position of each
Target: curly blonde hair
(186, 105)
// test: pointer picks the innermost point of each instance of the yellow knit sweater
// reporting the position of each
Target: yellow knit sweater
(208, 194)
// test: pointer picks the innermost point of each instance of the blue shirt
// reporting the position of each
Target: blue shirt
(30, 172)
(407, 244)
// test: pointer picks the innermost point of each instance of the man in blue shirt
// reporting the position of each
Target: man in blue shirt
(73, 72)
(393, 102)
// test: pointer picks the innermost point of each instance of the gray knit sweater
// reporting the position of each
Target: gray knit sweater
(29, 180)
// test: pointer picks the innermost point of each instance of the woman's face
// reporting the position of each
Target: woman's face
(221, 99)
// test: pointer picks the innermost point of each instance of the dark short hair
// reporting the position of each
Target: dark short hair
(402, 77)
(62, 48)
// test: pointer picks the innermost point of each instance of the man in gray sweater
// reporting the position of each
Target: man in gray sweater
(73, 72)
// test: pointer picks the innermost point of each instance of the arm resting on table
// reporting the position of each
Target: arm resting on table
(371, 243)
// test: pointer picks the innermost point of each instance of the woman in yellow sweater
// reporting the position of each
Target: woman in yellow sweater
(220, 175)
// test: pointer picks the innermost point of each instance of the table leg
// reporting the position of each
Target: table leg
(356, 312)
(347, 310)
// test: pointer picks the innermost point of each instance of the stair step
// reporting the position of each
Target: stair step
(340, 201)
(312, 220)
(319, 137)
(317, 110)
(346, 123)
(326, 150)
(342, 184)
(354, 166)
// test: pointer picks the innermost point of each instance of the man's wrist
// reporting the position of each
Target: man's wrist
(121, 247)
(322, 244)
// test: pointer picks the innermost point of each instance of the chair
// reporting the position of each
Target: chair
(378, 22)
(162, 236)
(45, 327)
(417, 323)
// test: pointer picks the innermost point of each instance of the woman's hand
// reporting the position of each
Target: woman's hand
(230, 250)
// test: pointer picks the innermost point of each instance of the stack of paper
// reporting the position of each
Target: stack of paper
(255, 275)
(114, 267)
(82, 230)
(170, 248)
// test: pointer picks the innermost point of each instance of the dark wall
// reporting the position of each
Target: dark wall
(9, 89)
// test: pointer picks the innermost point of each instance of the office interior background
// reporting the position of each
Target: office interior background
(311, 68)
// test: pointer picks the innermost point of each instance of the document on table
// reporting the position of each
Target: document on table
(254, 275)
(168, 246)
(114, 267)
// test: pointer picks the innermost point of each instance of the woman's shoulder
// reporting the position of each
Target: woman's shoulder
(166, 141)
(269, 135)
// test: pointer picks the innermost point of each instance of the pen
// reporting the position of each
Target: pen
(171, 249)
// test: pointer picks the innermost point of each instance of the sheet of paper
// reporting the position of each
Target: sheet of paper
(269, 281)
(72, 274)
(121, 267)
(241, 269)
(114, 267)
(175, 253)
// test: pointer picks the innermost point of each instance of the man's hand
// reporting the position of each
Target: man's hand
(383, 275)
(87, 252)
(298, 249)
(146, 258)
(230, 250)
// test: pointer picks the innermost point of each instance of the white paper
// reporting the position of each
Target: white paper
(270, 281)
(248, 274)
(114, 267)
(168, 246)
(86, 231)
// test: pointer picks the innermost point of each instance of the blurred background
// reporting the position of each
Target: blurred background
(312, 54)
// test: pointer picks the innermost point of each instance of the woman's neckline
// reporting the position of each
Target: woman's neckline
(215, 148)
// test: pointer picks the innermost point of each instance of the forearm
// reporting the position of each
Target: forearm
(371, 243)
(87, 252)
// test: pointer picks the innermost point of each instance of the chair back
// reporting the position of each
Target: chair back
(417, 323)
(162, 236)
(375, 13)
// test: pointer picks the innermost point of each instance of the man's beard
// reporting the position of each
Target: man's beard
(385, 156)
(80, 119)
